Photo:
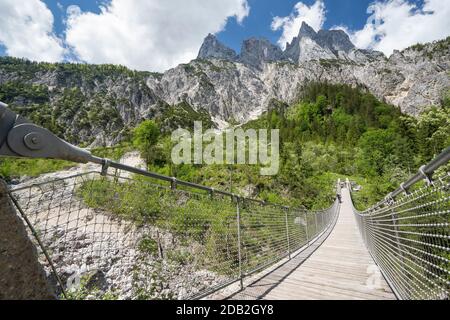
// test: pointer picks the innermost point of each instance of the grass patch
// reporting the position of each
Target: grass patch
(148, 245)
(13, 168)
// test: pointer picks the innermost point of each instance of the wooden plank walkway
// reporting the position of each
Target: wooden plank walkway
(339, 268)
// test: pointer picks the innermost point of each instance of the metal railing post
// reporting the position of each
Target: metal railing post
(321, 221)
(306, 227)
(315, 221)
(287, 232)
(238, 222)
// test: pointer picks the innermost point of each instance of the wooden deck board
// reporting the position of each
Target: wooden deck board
(339, 269)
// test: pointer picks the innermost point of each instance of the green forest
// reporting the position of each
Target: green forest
(333, 131)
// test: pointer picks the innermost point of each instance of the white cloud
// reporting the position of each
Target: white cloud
(26, 31)
(157, 35)
(313, 15)
(398, 24)
(148, 34)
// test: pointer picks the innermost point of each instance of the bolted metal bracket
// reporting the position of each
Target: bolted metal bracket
(427, 177)
(20, 138)
(389, 199)
(403, 188)
(173, 183)
(105, 166)
(235, 198)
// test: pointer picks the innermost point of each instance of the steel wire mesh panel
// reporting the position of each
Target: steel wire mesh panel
(409, 239)
(311, 221)
(263, 235)
(123, 236)
(297, 228)
(114, 237)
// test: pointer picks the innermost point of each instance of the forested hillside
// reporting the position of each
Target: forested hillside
(98, 105)
(347, 131)
(333, 131)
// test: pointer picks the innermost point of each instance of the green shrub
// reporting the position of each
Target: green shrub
(148, 246)
(181, 257)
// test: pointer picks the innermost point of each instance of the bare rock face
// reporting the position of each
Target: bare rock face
(364, 56)
(306, 47)
(336, 40)
(227, 90)
(237, 88)
(325, 44)
(255, 52)
(214, 49)
(21, 275)
(237, 91)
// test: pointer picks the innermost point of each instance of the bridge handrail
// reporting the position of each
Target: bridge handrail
(408, 234)
(425, 172)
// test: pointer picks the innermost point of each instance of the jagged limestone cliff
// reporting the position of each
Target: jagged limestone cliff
(412, 79)
(99, 104)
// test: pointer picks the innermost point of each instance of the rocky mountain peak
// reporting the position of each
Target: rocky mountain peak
(325, 44)
(306, 31)
(256, 51)
(308, 45)
(336, 40)
(212, 48)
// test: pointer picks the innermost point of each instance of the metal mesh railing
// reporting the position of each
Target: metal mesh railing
(409, 239)
(117, 236)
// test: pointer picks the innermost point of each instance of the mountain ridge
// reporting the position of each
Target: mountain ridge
(229, 91)
(307, 45)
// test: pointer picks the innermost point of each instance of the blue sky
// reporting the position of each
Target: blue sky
(159, 34)
(349, 12)
(352, 13)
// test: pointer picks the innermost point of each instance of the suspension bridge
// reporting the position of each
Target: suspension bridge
(339, 267)
(126, 233)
